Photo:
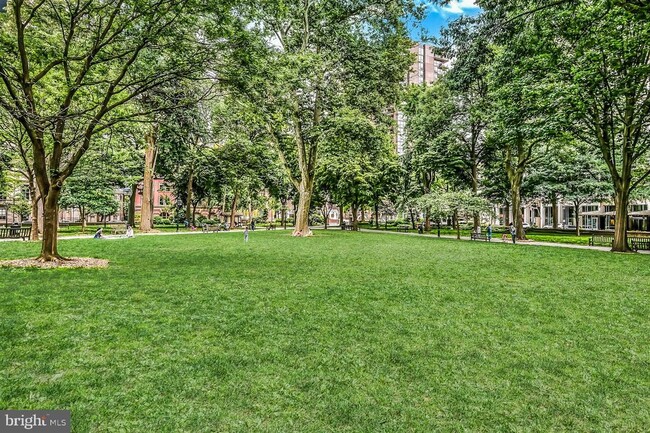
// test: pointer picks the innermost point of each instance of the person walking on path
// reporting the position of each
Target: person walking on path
(513, 232)
(489, 232)
(246, 235)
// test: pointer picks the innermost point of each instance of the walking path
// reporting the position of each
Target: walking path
(498, 240)
(464, 238)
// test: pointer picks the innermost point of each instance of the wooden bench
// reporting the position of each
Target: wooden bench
(603, 240)
(15, 233)
(118, 230)
(639, 242)
(636, 242)
(211, 228)
(479, 237)
(403, 228)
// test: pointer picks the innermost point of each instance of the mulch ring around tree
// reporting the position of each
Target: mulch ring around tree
(72, 262)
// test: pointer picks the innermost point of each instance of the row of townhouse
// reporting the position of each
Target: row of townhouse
(163, 206)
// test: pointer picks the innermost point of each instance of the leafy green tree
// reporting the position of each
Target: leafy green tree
(22, 208)
(316, 58)
(524, 122)
(598, 52)
(356, 150)
(430, 132)
(72, 70)
(458, 204)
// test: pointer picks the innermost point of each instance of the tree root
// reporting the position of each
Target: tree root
(300, 234)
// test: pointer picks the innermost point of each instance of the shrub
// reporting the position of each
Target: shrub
(160, 221)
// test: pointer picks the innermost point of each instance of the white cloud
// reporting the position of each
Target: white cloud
(455, 7)
(459, 7)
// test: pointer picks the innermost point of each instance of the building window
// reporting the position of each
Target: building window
(548, 216)
(163, 200)
(590, 222)
(3, 214)
(610, 208)
(638, 207)
(590, 208)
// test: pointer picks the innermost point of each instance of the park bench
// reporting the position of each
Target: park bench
(211, 228)
(15, 233)
(403, 228)
(636, 242)
(270, 227)
(479, 237)
(639, 242)
(118, 231)
(604, 240)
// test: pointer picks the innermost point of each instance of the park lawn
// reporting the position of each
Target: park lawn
(342, 332)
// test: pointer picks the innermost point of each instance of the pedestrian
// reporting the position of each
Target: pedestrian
(129, 231)
(253, 225)
(98, 233)
(489, 232)
(246, 234)
(513, 232)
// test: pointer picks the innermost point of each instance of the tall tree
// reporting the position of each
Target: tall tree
(72, 69)
(320, 56)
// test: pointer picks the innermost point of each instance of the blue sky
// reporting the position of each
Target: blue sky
(438, 16)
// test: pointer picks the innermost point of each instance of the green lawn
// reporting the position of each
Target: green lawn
(342, 332)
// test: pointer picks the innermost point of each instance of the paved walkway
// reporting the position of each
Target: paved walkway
(498, 240)
(109, 237)
(433, 235)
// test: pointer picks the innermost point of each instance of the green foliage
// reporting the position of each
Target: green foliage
(21, 207)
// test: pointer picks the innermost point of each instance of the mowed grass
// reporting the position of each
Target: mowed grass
(342, 332)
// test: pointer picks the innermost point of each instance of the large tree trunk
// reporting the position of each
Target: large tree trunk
(506, 214)
(412, 214)
(457, 223)
(577, 211)
(233, 209)
(620, 224)
(49, 247)
(302, 215)
(194, 205)
(475, 180)
(427, 223)
(355, 222)
(146, 212)
(555, 212)
(284, 217)
(134, 192)
(189, 217)
(516, 206)
(341, 215)
(35, 213)
(82, 215)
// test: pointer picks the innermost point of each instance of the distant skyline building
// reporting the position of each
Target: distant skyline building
(426, 69)
(428, 66)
